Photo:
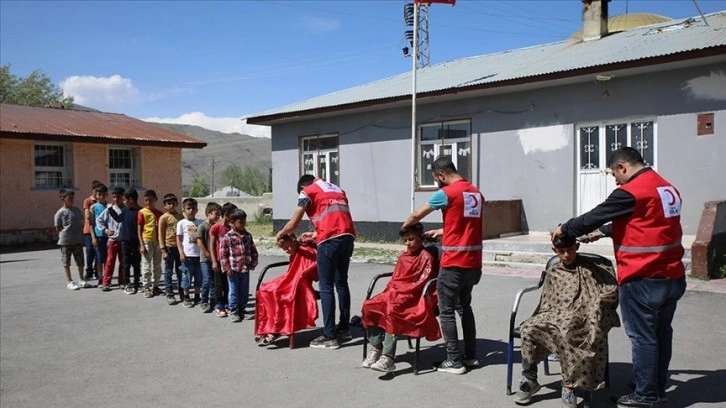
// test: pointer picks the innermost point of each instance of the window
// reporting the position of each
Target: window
(123, 166)
(53, 165)
(610, 137)
(451, 139)
(319, 157)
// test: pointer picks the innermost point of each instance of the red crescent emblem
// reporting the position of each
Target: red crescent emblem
(476, 202)
(673, 197)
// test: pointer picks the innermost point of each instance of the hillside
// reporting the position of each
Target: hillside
(226, 149)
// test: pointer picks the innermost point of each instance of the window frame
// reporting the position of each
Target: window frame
(134, 172)
(331, 157)
(66, 178)
(438, 144)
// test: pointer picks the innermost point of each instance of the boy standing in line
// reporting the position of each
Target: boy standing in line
(238, 255)
(130, 253)
(169, 251)
(186, 242)
(99, 240)
(88, 222)
(209, 293)
(68, 223)
(221, 285)
(148, 233)
(110, 223)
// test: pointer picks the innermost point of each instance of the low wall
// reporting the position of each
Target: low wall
(709, 249)
(253, 206)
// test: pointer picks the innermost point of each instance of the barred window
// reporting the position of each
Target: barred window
(452, 139)
(53, 165)
(123, 166)
(319, 157)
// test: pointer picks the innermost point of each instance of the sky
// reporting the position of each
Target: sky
(211, 63)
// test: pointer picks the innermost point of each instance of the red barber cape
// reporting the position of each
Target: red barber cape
(400, 309)
(287, 303)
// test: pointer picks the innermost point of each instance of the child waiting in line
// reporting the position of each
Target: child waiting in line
(110, 223)
(221, 285)
(68, 222)
(186, 242)
(169, 251)
(238, 255)
(99, 240)
(130, 253)
(148, 235)
(209, 293)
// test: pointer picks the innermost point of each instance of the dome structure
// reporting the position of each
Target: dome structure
(625, 22)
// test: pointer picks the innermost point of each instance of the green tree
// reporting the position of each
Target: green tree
(249, 180)
(199, 187)
(231, 176)
(36, 89)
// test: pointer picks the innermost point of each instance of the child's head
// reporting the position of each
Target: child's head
(566, 249)
(413, 237)
(227, 208)
(190, 208)
(289, 244)
(67, 197)
(238, 219)
(94, 185)
(170, 203)
(100, 193)
(150, 199)
(131, 197)
(213, 212)
(117, 195)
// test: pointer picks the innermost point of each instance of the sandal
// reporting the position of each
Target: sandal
(269, 339)
(220, 313)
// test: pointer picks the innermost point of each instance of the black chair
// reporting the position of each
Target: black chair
(435, 250)
(514, 331)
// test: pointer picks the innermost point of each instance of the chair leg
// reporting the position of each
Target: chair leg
(365, 344)
(292, 340)
(510, 362)
(546, 366)
(410, 345)
(415, 355)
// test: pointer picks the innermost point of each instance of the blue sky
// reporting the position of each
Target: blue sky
(210, 63)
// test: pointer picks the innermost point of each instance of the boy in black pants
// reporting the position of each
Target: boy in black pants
(130, 245)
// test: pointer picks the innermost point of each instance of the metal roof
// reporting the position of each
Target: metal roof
(689, 37)
(28, 122)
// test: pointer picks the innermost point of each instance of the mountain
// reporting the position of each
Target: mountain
(225, 148)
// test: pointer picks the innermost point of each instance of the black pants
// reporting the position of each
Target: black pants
(529, 370)
(131, 257)
(454, 287)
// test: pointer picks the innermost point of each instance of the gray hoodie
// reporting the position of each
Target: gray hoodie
(111, 221)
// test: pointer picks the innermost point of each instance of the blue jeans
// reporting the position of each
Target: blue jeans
(239, 291)
(101, 250)
(193, 272)
(209, 291)
(333, 261)
(648, 306)
(90, 256)
(454, 288)
(171, 265)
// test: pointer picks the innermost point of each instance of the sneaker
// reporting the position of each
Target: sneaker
(188, 303)
(106, 288)
(101, 286)
(157, 291)
(662, 397)
(384, 364)
(267, 340)
(171, 300)
(72, 285)
(527, 389)
(205, 308)
(635, 400)
(148, 293)
(373, 355)
(451, 367)
(249, 316)
(569, 400)
(84, 284)
(130, 290)
(343, 335)
(323, 342)
(220, 313)
(235, 317)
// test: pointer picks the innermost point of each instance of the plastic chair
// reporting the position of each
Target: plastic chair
(514, 331)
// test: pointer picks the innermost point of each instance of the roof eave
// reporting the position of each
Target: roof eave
(101, 140)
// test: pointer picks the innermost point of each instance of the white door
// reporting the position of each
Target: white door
(595, 144)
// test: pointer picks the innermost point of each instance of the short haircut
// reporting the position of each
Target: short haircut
(305, 181)
(66, 193)
(228, 208)
(212, 206)
(131, 194)
(416, 229)
(626, 154)
(95, 183)
(101, 188)
(443, 164)
(118, 191)
(237, 214)
(150, 193)
(563, 242)
(169, 198)
(191, 202)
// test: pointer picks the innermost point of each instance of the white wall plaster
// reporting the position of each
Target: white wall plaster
(544, 139)
(709, 87)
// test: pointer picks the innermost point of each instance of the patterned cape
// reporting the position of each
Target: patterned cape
(576, 311)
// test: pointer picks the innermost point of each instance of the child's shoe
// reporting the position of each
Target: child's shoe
(220, 312)
(569, 400)
(188, 303)
(156, 291)
(130, 290)
(72, 285)
(171, 300)
(148, 293)
(106, 288)
(374, 355)
(384, 364)
(235, 317)
(84, 284)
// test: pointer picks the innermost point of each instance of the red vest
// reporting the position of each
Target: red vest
(648, 243)
(329, 211)
(461, 243)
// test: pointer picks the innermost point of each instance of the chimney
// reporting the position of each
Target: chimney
(595, 18)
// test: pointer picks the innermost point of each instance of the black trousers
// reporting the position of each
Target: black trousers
(131, 257)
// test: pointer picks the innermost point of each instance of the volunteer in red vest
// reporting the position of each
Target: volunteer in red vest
(461, 205)
(327, 207)
(646, 230)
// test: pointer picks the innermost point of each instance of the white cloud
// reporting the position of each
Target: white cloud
(226, 125)
(319, 25)
(100, 92)
(710, 87)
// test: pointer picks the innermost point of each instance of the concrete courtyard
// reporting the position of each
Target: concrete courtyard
(61, 348)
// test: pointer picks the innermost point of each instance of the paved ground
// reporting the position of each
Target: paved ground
(60, 348)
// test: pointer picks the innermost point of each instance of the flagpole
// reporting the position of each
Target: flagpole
(414, 65)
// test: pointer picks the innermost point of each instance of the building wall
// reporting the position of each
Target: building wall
(26, 213)
(525, 144)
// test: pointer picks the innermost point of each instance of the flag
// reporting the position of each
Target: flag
(435, 1)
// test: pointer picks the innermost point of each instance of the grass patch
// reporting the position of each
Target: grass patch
(260, 226)
(721, 267)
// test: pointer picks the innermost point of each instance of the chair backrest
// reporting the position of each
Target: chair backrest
(434, 250)
(587, 255)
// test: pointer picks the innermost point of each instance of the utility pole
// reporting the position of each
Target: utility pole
(213, 190)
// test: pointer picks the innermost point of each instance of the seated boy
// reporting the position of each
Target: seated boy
(576, 310)
(400, 309)
(287, 304)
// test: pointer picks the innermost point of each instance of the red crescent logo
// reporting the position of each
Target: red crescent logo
(476, 202)
(673, 197)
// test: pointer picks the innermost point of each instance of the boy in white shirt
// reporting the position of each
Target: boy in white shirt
(186, 241)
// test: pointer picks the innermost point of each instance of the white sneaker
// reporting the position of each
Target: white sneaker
(373, 355)
(84, 284)
(384, 364)
(72, 286)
